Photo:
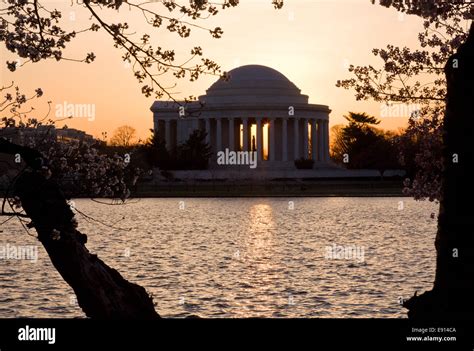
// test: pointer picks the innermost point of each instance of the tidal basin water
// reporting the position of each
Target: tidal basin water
(256, 257)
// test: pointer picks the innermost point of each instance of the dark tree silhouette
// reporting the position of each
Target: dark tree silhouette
(156, 151)
(123, 136)
(101, 291)
(398, 79)
(451, 296)
(363, 145)
(453, 290)
(34, 30)
(195, 152)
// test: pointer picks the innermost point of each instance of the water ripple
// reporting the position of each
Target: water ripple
(243, 257)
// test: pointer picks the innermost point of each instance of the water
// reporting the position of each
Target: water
(242, 257)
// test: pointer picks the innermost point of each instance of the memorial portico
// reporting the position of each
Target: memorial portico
(256, 109)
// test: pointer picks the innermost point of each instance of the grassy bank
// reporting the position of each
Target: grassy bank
(326, 187)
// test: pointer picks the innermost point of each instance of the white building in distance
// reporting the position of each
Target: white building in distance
(256, 109)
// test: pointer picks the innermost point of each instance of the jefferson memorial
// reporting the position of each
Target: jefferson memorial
(256, 109)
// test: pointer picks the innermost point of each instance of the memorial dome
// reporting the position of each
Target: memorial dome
(254, 84)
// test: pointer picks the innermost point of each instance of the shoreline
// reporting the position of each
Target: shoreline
(271, 188)
(275, 188)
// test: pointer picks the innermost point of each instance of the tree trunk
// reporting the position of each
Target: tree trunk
(452, 296)
(101, 291)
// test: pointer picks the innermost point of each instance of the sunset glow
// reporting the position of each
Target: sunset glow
(298, 40)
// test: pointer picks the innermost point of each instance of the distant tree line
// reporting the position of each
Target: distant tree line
(193, 154)
(360, 145)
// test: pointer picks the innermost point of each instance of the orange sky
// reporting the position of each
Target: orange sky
(310, 41)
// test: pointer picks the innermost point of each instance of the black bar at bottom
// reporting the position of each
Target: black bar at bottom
(318, 334)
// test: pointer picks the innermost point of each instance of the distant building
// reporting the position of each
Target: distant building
(62, 134)
(257, 109)
(74, 134)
